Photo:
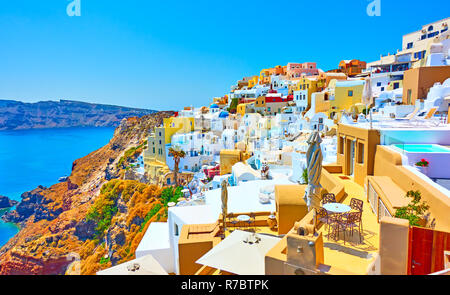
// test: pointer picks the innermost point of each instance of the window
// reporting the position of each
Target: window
(168, 180)
(378, 84)
(430, 28)
(408, 96)
(341, 145)
(350, 93)
(360, 153)
(396, 85)
(177, 232)
(423, 37)
(154, 150)
(410, 45)
(382, 88)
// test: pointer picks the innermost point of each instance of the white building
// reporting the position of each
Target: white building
(156, 242)
(301, 100)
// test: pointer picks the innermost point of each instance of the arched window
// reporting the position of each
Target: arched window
(430, 28)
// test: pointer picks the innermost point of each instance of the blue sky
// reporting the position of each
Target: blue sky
(169, 54)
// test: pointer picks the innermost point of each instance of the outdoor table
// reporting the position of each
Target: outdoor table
(243, 218)
(337, 208)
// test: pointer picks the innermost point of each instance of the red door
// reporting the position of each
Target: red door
(426, 250)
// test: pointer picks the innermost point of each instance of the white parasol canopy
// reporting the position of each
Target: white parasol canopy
(145, 265)
(238, 257)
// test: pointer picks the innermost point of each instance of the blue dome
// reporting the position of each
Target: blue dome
(214, 106)
(223, 114)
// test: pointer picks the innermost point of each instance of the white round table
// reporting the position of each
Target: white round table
(336, 208)
(243, 218)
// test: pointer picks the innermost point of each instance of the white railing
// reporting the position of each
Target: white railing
(382, 210)
(373, 198)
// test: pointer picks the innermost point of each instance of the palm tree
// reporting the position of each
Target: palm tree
(177, 155)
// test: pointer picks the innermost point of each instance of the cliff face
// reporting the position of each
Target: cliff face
(90, 222)
(15, 115)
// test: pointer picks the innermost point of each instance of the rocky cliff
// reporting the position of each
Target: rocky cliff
(5, 202)
(15, 115)
(92, 221)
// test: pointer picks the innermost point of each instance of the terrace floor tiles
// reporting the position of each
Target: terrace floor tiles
(354, 257)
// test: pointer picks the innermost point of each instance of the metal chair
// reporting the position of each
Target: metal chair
(350, 221)
(323, 216)
(333, 224)
(357, 204)
(328, 198)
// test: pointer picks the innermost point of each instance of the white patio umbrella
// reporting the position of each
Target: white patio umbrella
(240, 253)
(314, 159)
(367, 97)
(145, 265)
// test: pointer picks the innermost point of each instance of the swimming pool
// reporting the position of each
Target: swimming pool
(423, 148)
(437, 155)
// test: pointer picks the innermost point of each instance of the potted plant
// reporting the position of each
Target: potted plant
(415, 211)
(422, 166)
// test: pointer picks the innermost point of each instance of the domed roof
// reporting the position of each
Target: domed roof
(223, 114)
(214, 106)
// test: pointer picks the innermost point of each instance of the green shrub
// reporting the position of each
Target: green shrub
(104, 260)
(305, 175)
(155, 209)
(104, 208)
(414, 210)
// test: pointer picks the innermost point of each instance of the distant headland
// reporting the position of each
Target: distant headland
(16, 115)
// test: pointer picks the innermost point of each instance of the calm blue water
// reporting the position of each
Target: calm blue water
(30, 158)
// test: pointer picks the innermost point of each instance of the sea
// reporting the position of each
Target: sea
(29, 158)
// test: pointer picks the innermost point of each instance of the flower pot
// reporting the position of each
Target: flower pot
(422, 169)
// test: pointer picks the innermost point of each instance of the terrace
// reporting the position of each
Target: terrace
(351, 257)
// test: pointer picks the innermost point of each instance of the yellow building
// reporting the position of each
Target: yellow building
(245, 108)
(253, 81)
(155, 154)
(395, 85)
(308, 84)
(346, 95)
(322, 102)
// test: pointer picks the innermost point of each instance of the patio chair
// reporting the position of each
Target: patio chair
(350, 221)
(328, 198)
(357, 204)
(324, 217)
(410, 116)
(427, 118)
(333, 225)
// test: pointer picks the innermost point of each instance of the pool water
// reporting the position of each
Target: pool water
(423, 148)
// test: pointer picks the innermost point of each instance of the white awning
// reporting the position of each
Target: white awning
(238, 257)
(146, 265)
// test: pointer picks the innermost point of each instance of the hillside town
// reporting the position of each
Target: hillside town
(298, 170)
